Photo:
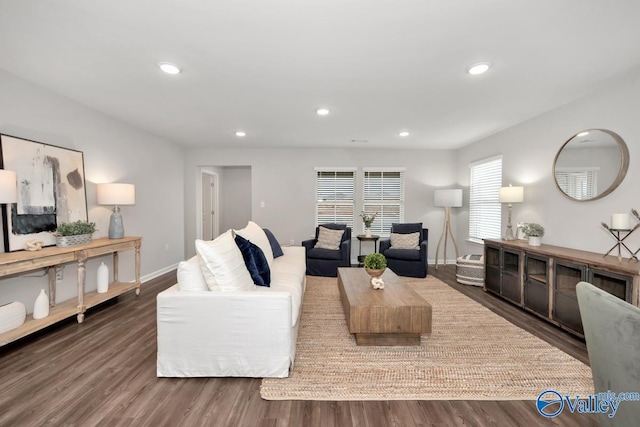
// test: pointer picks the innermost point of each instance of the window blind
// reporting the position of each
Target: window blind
(384, 196)
(485, 210)
(335, 195)
(579, 183)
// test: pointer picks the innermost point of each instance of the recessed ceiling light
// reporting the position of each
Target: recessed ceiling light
(404, 133)
(169, 68)
(322, 111)
(241, 133)
(479, 68)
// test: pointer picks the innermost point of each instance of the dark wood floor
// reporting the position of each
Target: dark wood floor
(102, 373)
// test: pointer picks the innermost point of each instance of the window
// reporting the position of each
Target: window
(578, 183)
(335, 195)
(485, 210)
(384, 196)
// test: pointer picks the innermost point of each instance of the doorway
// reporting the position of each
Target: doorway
(209, 205)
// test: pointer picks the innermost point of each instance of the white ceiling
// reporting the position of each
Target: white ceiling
(265, 66)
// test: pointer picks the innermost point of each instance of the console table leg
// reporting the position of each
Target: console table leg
(137, 268)
(51, 271)
(81, 280)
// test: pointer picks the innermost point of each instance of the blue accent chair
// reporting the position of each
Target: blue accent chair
(325, 262)
(407, 262)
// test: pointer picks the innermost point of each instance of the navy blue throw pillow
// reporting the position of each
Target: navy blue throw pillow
(275, 246)
(255, 261)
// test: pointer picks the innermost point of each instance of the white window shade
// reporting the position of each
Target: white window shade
(383, 196)
(485, 210)
(335, 195)
(578, 183)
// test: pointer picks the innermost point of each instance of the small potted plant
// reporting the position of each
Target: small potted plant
(374, 265)
(534, 232)
(74, 233)
(367, 219)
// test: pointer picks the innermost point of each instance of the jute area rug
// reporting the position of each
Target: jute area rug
(472, 354)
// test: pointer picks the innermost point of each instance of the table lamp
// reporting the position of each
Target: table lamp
(510, 195)
(116, 194)
(447, 199)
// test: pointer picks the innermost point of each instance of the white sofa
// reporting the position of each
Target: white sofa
(203, 333)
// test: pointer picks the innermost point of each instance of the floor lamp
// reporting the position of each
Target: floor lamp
(510, 195)
(447, 199)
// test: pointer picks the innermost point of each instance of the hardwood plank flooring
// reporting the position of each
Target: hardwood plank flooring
(102, 373)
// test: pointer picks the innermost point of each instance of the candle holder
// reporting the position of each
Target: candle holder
(621, 234)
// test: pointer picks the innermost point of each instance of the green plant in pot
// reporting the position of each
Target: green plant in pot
(534, 232)
(374, 265)
(74, 233)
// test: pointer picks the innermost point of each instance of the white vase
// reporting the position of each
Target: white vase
(367, 232)
(535, 240)
(41, 306)
(103, 279)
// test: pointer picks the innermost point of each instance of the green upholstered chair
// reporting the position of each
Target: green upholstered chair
(612, 332)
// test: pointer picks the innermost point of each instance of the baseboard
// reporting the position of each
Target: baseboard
(158, 273)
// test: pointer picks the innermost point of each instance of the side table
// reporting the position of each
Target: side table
(364, 238)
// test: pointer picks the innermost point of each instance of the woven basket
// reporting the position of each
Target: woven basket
(66, 241)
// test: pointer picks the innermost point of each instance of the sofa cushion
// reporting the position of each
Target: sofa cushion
(255, 261)
(190, 276)
(256, 235)
(406, 254)
(405, 241)
(275, 246)
(329, 239)
(222, 264)
(319, 253)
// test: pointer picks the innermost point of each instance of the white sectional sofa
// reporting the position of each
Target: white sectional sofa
(231, 333)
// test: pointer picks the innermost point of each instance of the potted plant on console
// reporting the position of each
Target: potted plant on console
(534, 232)
(74, 233)
(374, 265)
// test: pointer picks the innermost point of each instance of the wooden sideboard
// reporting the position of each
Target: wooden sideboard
(542, 279)
(15, 263)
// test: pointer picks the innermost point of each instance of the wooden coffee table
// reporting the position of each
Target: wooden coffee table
(395, 315)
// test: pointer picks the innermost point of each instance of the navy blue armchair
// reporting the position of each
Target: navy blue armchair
(407, 262)
(325, 262)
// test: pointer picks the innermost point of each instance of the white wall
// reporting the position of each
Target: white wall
(285, 180)
(113, 152)
(528, 152)
(235, 197)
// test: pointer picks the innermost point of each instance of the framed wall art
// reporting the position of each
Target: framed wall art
(51, 190)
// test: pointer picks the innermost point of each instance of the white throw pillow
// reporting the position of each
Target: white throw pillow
(329, 239)
(222, 264)
(256, 235)
(190, 276)
(405, 241)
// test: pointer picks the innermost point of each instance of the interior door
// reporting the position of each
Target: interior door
(209, 188)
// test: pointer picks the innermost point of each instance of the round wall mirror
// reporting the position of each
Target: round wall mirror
(591, 164)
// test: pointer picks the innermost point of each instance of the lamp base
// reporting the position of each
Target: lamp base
(116, 227)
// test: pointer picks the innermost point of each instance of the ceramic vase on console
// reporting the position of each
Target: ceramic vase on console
(367, 232)
(41, 306)
(535, 240)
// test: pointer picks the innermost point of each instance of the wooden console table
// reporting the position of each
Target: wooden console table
(542, 279)
(16, 263)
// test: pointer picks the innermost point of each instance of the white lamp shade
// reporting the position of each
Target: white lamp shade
(511, 194)
(448, 198)
(8, 187)
(116, 194)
